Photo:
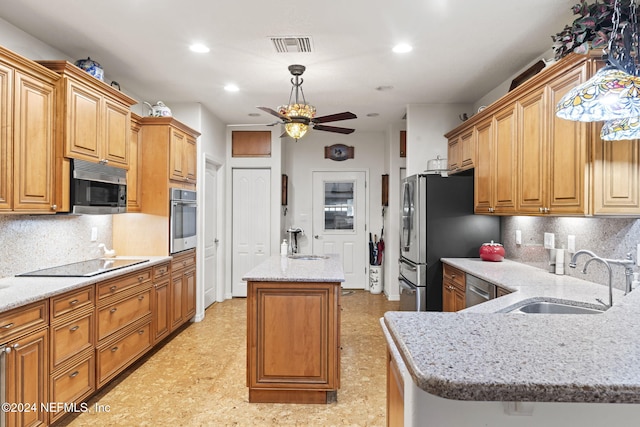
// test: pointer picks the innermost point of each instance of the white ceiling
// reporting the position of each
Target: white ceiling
(462, 49)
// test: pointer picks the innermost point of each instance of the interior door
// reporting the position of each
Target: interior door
(251, 218)
(339, 222)
(210, 234)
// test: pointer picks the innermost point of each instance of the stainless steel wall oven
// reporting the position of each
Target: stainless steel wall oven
(183, 220)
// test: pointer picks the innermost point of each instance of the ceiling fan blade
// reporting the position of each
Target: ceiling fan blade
(274, 113)
(334, 129)
(335, 117)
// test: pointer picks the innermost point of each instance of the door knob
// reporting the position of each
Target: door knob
(316, 237)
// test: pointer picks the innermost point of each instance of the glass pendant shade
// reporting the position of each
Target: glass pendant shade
(619, 129)
(610, 94)
(296, 130)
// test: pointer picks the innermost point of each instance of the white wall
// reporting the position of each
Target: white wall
(426, 126)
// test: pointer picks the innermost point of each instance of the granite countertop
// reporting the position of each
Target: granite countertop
(484, 353)
(19, 291)
(279, 268)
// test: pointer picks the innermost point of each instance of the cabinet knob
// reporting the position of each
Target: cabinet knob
(15, 346)
(5, 350)
(73, 302)
(113, 288)
(113, 310)
(54, 207)
(140, 278)
(141, 297)
(114, 349)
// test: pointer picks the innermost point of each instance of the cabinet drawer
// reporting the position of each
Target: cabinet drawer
(160, 271)
(24, 319)
(71, 338)
(116, 356)
(183, 261)
(73, 384)
(71, 301)
(456, 276)
(115, 316)
(113, 287)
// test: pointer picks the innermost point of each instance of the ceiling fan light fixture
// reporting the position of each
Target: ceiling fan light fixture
(298, 110)
(296, 130)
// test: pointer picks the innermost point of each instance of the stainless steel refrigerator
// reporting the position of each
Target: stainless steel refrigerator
(437, 222)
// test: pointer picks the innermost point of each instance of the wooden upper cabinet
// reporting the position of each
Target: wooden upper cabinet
(27, 150)
(247, 143)
(461, 152)
(483, 172)
(504, 183)
(183, 156)
(133, 174)
(568, 151)
(93, 117)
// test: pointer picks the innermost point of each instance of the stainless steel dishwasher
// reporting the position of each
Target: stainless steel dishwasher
(478, 291)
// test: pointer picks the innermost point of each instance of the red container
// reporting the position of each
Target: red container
(492, 252)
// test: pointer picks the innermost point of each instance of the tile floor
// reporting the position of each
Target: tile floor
(198, 377)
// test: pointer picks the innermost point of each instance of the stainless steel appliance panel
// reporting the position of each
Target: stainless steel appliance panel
(97, 188)
(412, 298)
(478, 291)
(183, 220)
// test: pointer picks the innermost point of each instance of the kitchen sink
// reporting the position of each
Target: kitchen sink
(547, 307)
(307, 257)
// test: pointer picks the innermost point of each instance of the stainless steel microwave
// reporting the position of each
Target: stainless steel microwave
(97, 188)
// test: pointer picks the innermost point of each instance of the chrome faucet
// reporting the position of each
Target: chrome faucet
(595, 257)
(628, 264)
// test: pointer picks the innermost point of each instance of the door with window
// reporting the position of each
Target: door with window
(339, 222)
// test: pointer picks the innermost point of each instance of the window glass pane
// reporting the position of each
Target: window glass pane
(338, 205)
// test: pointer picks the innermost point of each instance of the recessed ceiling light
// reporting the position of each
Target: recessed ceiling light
(231, 88)
(402, 48)
(199, 48)
(373, 114)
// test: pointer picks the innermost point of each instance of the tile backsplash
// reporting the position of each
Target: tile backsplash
(31, 242)
(607, 237)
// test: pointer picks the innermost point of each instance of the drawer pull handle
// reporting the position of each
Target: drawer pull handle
(74, 302)
(113, 288)
(114, 349)
(141, 297)
(140, 332)
(74, 374)
(8, 326)
(113, 310)
(75, 328)
(140, 278)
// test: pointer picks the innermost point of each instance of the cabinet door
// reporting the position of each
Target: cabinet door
(467, 149)
(616, 177)
(189, 294)
(83, 122)
(504, 168)
(177, 305)
(177, 163)
(454, 154)
(161, 310)
(532, 152)
(191, 159)
(395, 393)
(568, 151)
(459, 300)
(133, 174)
(33, 145)
(117, 128)
(27, 377)
(483, 173)
(6, 138)
(448, 299)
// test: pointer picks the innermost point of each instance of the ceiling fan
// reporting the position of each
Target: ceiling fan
(297, 115)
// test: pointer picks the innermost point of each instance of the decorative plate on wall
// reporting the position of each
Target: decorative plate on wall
(338, 152)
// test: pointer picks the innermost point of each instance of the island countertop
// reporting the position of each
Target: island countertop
(298, 268)
(485, 353)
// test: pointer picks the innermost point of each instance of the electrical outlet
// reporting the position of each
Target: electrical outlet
(518, 237)
(94, 234)
(571, 243)
(549, 240)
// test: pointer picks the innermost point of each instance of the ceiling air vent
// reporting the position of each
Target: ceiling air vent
(292, 44)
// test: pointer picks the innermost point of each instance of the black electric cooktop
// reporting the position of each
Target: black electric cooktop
(88, 268)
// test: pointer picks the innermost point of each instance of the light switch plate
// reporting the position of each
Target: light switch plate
(571, 243)
(518, 237)
(94, 234)
(549, 240)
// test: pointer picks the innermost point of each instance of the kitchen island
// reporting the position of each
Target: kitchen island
(293, 329)
(488, 366)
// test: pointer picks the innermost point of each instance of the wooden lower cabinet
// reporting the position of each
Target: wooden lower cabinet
(183, 287)
(26, 379)
(71, 385)
(395, 393)
(161, 302)
(453, 289)
(293, 353)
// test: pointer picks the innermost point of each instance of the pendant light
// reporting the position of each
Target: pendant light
(614, 91)
(619, 129)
